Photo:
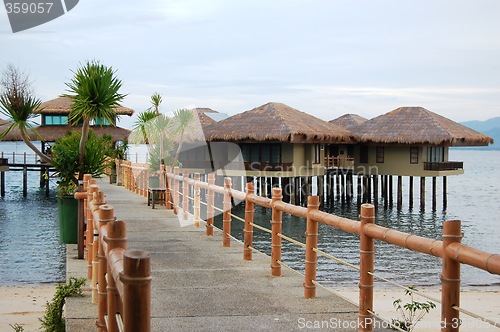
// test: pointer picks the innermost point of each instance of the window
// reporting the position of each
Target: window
(414, 155)
(101, 122)
(266, 153)
(317, 153)
(276, 153)
(56, 120)
(380, 154)
(363, 154)
(435, 154)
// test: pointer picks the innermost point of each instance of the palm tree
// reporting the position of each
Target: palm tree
(95, 95)
(156, 100)
(183, 122)
(139, 134)
(18, 104)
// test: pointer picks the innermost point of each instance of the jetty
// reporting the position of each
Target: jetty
(199, 285)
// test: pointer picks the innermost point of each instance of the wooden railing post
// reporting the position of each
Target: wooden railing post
(276, 228)
(248, 230)
(210, 205)
(185, 197)
(226, 216)
(136, 278)
(176, 190)
(168, 194)
(116, 238)
(311, 244)
(99, 199)
(366, 266)
(450, 279)
(196, 205)
(89, 233)
(106, 214)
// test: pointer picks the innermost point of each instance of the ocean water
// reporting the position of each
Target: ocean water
(30, 251)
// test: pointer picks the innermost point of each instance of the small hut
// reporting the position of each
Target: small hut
(278, 140)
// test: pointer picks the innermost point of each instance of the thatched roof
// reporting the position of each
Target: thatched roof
(347, 121)
(276, 122)
(205, 120)
(62, 106)
(52, 133)
(416, 125)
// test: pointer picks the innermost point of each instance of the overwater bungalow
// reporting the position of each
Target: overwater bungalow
(410, 141)
(277, 140)
(54, 121)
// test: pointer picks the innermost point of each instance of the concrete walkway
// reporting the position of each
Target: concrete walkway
(198, 285)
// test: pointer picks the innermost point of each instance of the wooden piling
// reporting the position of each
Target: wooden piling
(2, 184)
(422, 193)
(434, 193)
(136, 279)
(311, 244)
(210, 205)
(386, 191)
(248, 230)
(400, 192)
(450, 279)
(25, 180)
(366, 266)
(106, 215)
(226, 216)
(391, 191)
(445, 193)
(360, 185)
(276, 226)
(375, 190)
(410, 193)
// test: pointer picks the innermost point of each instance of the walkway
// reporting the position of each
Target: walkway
(198, 285)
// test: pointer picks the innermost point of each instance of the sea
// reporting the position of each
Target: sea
(30, 252)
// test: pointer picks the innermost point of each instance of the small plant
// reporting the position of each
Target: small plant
(53, 320)
(411, 312)
(17, 327)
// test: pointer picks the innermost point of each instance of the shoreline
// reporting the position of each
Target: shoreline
(24, 305)
(483, 301)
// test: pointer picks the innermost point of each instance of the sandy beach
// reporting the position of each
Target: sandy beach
(481, 301)
(24, 305)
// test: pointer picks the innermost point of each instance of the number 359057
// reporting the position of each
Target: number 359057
(31, 8)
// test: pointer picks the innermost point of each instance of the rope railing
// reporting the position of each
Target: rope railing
(450, 250)
(120, 278)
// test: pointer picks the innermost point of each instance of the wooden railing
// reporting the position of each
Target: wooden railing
(121, 279)
(443, 166)
(340, 162)
(20, 158)
(450, 250)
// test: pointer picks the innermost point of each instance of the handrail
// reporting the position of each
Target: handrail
(121, 279)
(450, 250)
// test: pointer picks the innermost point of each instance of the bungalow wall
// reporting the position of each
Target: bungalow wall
(400, 160)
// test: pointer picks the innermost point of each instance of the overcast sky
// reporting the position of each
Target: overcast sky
(326, 58)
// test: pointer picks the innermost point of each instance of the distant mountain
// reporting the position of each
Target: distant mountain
(490, 127)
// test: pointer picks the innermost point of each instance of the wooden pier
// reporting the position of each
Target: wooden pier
(15, 162)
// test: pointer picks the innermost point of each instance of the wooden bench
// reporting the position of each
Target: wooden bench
(156, 195)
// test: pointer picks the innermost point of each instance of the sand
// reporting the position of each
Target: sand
(481, 301)
(24, 305)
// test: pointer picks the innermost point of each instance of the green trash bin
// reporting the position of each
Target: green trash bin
(154, 181)
(68, 219)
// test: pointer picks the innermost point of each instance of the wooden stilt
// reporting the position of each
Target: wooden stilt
(385, 193)
(338, 183)
(375, 190)
(2, 184)
(320, 184)
(400, 192)
(422, 193)
(46, 175)
(410, 193)
(285, 184)
(434, 193)
(297, 189)
(391, 191)
(25, 181)
(360, 185)
(445, 193)
(342, 187)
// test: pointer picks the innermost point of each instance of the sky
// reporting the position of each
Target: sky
(323, 57)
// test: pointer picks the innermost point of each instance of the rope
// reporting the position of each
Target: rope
(405, 288)
(292, 240)
(335, 259)
(238, 218)
(258, 251)
(261, 228)
(290, 268)
(473, 315)
(216, 208)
